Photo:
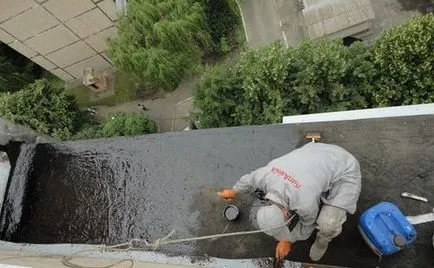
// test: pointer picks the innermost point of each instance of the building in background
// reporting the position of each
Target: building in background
(337, 18)
(63, 36)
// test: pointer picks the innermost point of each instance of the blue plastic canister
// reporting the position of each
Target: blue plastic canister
(386, 229)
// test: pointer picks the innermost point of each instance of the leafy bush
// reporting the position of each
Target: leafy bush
(122, 124)
(42, 107)
(118, 124)
(263, 73)
(160, 41)
(321, 76)
(223, 46)
(272, 81)
(216, 96)
(328, 76)
(404, 59)
(50, 111)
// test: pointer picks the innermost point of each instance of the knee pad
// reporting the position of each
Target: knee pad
(331, 218)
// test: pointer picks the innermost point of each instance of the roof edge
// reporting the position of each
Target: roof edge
(96, 251)
(387, 112)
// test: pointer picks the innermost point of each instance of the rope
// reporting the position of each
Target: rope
(66, 260)
(127, 246)
(165, 240)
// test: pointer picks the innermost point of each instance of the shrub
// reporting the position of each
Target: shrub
(404, 59)
(122, 124)
(216, 97)
(42, 107)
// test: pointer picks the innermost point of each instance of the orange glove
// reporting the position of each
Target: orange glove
(282, 249)
(227, 194)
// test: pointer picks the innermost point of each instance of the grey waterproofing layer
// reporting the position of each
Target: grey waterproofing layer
(111, 190)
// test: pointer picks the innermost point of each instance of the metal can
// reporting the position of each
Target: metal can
(231, 213)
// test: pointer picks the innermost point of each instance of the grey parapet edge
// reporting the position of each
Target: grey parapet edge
(11, 132)
(94, 251)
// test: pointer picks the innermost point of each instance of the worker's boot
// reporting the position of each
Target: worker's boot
(318, 248)
(329, 225)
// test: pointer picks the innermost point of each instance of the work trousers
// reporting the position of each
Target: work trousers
(329, 222)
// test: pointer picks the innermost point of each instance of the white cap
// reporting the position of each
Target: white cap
(271, 217)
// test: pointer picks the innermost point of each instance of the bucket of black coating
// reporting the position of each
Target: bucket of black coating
(231, 213)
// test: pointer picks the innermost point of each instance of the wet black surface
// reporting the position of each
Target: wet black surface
(108, 191)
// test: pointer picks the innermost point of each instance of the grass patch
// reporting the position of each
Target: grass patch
(124, 88)
(81, 95)
(121, 95)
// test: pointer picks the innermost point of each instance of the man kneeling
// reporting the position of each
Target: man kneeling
(299, 182)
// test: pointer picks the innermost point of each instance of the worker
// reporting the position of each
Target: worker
(318, 182)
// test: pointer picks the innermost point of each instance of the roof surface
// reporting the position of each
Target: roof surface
(325, 17)
(108, 191)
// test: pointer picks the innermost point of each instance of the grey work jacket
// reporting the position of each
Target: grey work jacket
(306, 176)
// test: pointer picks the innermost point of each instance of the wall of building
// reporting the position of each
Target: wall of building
(62, 36)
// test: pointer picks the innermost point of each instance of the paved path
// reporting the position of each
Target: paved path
(291, 21)
(266, 21)
(261, 22)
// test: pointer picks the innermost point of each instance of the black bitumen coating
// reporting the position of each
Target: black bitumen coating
(108, 191)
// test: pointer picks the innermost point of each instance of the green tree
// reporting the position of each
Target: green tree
(159, 41)
(322, 76)
(42, 107)
(216, 97)
(404, 59)
(327, 76)
(273, 81)
(263, 73)
(122, 124)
